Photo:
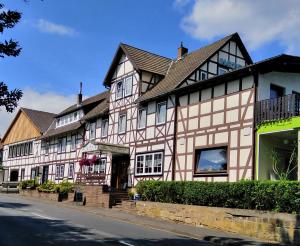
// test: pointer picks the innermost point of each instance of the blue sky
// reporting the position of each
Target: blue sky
(65, 42)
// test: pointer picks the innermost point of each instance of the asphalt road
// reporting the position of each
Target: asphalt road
(27, 222)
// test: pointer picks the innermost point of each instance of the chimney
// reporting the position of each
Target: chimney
(182, 51)
(79, 96)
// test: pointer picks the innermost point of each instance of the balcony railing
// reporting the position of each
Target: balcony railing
(90, 178)
(277, 109)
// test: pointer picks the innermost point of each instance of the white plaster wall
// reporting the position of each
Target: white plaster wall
(290, 81)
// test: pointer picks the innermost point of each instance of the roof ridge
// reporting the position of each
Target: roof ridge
(152, 53)
(35, 110)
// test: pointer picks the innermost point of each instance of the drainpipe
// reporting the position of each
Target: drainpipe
(174, 139)
(256, 145)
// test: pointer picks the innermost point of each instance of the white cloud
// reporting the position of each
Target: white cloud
(258, 22)
(49, 102)
(50, 27)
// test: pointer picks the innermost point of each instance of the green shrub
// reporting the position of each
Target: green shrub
(48, 186)
(65, 187)
(280, 196)
(28, 184)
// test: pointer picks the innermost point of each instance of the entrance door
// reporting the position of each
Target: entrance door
(119, 176)
(14, 175)
(45, 174)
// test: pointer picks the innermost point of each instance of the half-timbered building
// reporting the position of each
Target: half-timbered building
(207, 115)
(22, 146)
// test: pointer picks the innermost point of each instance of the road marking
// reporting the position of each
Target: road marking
(125, 243)
(44, 217)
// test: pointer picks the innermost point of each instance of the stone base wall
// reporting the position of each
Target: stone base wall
(41, 195)
(94, 196)
(263, 225)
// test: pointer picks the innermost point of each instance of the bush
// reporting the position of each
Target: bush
(28, 184)
(65, 187)
(279, 196)
(48, 186)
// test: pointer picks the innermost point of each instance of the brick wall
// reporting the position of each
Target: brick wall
(95, 197)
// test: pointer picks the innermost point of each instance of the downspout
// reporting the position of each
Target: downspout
(174, 139)
(254, 138)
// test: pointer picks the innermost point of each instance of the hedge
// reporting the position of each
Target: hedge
(49, 186)
(279, 196)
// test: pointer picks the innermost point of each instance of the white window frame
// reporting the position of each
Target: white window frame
(140, 114)
(92, 130)
(120, 130)
(157, 113)
(71, 170)
(104, 132)
(100, 167)
(127, 86)
(152, 166)
(203, 73)
(60, 171)
(119, 95)
(73, 142)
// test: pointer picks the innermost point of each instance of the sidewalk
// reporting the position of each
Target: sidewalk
(201, 233)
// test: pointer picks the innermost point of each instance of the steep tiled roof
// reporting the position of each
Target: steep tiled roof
(147, 61)
(86, 102)
(99, 110)
(141, 60)
(181, 69)
(52, 131)
(41, 119)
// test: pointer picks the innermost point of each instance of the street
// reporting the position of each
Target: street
(26, 222)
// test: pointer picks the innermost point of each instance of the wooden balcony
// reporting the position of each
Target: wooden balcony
(90, 178)
(277, 109)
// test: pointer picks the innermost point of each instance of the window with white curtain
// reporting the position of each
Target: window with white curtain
(142, 118)
(104, 128)
(128, 86)
(149, 163)
(122, 123)
(161, 113)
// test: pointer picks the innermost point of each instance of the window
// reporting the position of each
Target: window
(59, 145)
(276, 91)
(100, 167)
(149, 164)
(122, 123)
(71, 170)
(161, 113)
(203, 76)
(60, 169)
(18, 150)
(92, 130)
(142, 118)
(30, 151)
(140, 164)
(128, 86)
(26, 148)
(212, 160)
(62, 145)
(73, 142)
(104, 128)
(33, 173)
(222, 71)
(75, 115)
(119, 90)
(46, 147)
